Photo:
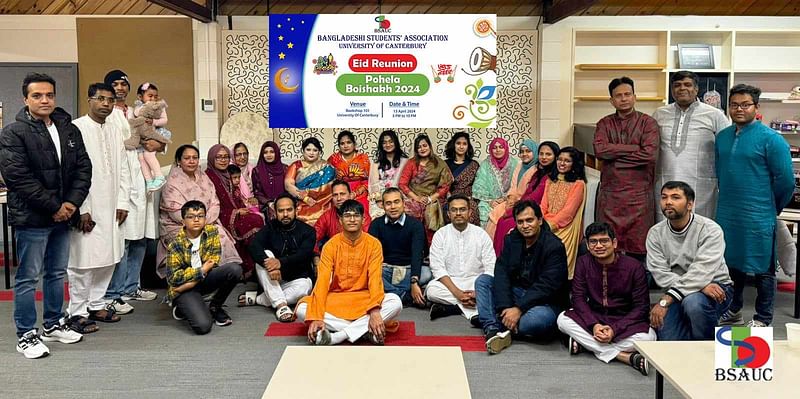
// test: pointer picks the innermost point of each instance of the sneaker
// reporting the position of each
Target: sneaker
(31, 346)
(177, 314)
(119, 306)
(730, 318)
(323, 337)
(61, 333)
(140, 295)
(220, 316)
(756, 323)
(474, 321)
(497, 342)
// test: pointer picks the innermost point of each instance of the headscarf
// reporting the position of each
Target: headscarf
(499, 163)
(531, 145)
(221, 176)
(276, 169)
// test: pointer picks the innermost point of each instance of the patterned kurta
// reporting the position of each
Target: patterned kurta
(628, 147)
(756, 181)
(687, 152)
(463, 179)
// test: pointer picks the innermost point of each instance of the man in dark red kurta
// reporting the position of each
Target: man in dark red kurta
(627, 143)
(611, 302)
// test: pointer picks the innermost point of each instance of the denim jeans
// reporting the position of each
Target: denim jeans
(403, 288)
(126, 275)
(766, 285)
(538, 322)
(42, 250)
(694, 318)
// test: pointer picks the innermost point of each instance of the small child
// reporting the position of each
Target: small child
(151, 168)
(235, 174)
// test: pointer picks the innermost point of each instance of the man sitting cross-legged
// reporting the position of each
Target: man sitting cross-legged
(193, 271)
(283, 252)
(459, 253)
(610, 302)
(348, 298)
(403, 240)
(529, 287)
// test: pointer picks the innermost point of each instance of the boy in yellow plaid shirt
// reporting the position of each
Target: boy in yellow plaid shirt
(193, 270)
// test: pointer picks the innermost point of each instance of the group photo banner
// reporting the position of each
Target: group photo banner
(392, 71)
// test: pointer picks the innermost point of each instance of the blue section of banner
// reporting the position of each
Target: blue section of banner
(289, 36)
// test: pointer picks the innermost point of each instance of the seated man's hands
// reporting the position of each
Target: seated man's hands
(603, 333)
(313, 328)
(376, 324)
(510, 318)
(715, 292)
(467, 298)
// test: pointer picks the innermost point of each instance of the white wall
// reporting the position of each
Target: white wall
(556, 68)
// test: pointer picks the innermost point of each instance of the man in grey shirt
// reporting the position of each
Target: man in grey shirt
(685, 254)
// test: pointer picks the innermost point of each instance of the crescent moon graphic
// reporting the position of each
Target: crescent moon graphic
(280, 82)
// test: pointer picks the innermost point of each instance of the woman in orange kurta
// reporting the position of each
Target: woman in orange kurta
(352, 166)
(564, 199)
(309, 180)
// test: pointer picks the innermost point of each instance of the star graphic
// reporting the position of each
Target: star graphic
(292, 28)
(290, 45)
(288, 19)
(280, 38)
(302, 22)
(281, 55)
(279, 25)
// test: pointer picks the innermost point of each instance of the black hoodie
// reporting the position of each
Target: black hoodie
(37, 182)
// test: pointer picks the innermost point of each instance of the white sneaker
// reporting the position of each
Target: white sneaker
(756, 323)
(498, 342)
(119, 306)
(140, 295)
(61, 333)
(31, 346)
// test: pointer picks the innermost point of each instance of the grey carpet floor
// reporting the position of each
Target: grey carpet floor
(150, 355)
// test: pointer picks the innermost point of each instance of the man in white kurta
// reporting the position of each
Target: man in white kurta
(688, 131)
(459, 253)
(97, 244)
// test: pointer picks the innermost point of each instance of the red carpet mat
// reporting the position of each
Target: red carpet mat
(406, 335)
(786, 287)
(8, 295)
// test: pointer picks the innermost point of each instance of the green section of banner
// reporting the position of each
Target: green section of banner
(737, 334)
(382, 84)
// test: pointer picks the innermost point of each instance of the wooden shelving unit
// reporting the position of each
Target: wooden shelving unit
(620, 67)
(605, 98)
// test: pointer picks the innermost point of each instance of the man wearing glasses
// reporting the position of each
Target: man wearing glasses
(97, 244)
(529, 288)
(685, 256)
(48, 174)
(610, 302)
(459, 253)
(348, 301)
(754, 167)
(688, 127)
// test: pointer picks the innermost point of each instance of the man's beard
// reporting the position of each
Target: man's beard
(675, 215)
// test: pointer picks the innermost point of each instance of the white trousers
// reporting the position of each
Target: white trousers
(87, 287)
(278, 292)
(355, 329)
(438, 293)
(604, 352)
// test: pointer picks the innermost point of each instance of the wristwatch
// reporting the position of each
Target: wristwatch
(663, 303)
(414, 280)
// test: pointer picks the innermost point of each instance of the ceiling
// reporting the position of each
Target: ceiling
(557, 9)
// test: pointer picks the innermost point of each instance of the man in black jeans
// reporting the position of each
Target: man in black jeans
(193, 271)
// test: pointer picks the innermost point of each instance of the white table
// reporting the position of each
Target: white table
(351, 372)
(689, 367)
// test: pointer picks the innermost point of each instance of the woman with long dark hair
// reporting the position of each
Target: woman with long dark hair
(385, 171)
(309, 180)
(353, 167)
(460, 159)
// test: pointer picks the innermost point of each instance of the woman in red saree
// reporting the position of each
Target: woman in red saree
(241, 222)
(352, 166)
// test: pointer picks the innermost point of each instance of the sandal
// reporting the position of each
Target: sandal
(247, 298)
(104, 315)
(638, 362)
(574, 347)
(82, 325)
(284, 314)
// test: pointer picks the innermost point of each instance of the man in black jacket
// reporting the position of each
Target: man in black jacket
(48, 174)
(529, 288)
(283, 253)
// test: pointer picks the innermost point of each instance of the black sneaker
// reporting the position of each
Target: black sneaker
(220, 316)
(475, 321)
(438, 310)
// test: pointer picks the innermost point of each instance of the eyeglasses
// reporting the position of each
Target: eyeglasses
(194, 217)
(103, 99)
(601, 241)
(223, 157)
(741, 106)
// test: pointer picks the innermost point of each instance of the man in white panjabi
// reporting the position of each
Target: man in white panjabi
(688, 132)
(459, 253)
(97, 244)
